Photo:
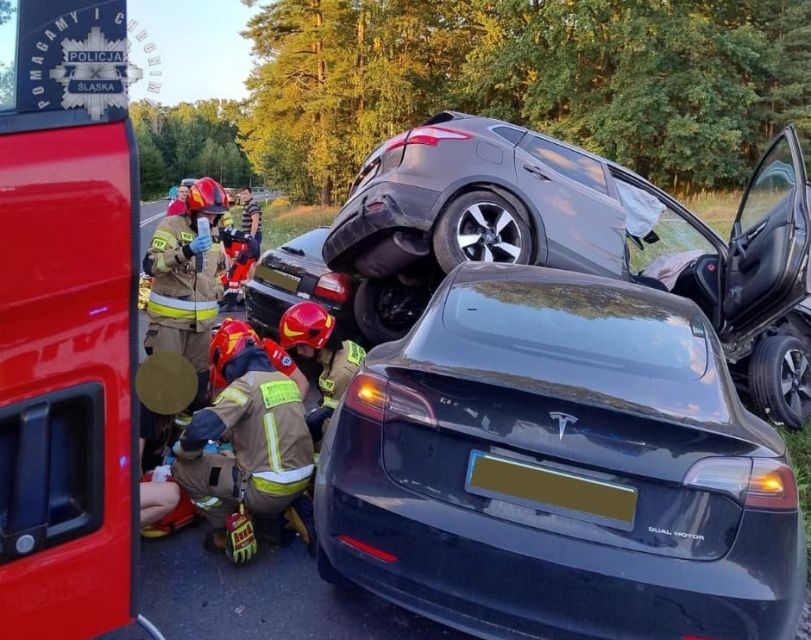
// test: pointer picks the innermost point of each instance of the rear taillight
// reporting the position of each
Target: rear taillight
(759, 483)
(333, 286)
(771, 486)
(366, 395)
(397, 141)
(385, 401)
(426, 135)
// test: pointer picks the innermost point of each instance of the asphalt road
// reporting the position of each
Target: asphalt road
(188, 593)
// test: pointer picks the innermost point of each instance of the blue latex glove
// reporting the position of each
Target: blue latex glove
(200, 244)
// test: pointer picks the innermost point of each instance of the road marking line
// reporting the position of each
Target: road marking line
(152, 219)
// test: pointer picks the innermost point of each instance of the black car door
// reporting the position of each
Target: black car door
(766, 269)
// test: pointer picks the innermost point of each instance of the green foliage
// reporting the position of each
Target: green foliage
(799, 450)
(685, 93)
(189, 141)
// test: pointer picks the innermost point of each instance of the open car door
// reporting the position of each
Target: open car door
(69, 194)
(766, 269)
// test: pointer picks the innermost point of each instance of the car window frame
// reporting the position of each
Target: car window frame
(709, 234)
(609, 192)
(737, 229)
(610, 199)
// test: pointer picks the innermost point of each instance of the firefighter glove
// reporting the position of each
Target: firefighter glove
(240, 544)
(200, 244)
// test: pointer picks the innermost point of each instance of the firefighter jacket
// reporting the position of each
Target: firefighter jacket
(261, 413)
(339, 367)
(181, 297)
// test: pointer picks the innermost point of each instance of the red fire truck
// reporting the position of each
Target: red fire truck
(68, 525)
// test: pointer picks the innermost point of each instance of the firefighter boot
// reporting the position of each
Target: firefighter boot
(299, 516)
(215, 541)
(229, 302)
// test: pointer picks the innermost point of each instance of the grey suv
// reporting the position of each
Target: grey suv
(464, 188)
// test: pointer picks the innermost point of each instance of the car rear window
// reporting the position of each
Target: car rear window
(594, 325)
(568, 162)
(509, 133)
(311, 243)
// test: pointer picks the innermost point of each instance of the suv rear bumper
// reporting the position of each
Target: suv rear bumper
(367, 221)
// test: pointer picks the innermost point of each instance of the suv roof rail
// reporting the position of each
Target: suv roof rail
(446, 116)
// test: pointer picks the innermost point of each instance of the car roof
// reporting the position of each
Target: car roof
(449, 116)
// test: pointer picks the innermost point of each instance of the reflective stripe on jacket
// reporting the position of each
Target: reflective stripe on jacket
(182, 297)
(339, 369)
(264, 419)
(175, 308)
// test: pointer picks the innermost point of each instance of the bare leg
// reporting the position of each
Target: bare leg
(157, 500)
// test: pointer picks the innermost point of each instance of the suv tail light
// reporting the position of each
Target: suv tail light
(333, 286)
(385, 401)
(759, 483)
(426, 135)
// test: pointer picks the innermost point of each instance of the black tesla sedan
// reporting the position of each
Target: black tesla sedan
(557, 455)
(293, 273)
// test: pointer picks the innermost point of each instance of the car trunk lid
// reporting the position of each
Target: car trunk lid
(563, 466)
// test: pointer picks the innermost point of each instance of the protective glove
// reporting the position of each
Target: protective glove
(316, 420)
(240, 543)
(200, 244)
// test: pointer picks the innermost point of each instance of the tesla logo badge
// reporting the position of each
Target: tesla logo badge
(563, 419)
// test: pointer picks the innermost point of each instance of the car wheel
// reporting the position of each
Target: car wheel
(780, 380)
(386, 309)
(326, 571)
(481, 226)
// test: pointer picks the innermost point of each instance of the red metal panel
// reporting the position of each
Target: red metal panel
(65, 259)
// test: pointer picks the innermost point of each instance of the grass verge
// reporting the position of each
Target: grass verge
(283, 220)
(799, 449)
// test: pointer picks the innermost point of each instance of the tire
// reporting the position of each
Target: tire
(326, 571)
(780, 380)
(386, 309)
(481, 226)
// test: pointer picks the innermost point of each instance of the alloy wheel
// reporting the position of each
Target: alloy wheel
(487, 232)
(795, 381)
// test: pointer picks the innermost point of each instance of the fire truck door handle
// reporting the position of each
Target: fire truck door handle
(28, 516)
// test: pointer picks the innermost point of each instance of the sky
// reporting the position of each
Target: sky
(201, 52)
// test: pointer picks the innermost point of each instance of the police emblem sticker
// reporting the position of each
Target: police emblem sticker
(79, 61)
(94, 73)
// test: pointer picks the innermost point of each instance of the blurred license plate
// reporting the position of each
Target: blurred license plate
(551, 490)
(277, 278)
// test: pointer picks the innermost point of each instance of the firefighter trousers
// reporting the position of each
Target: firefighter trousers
(213, 481)
(192, 344)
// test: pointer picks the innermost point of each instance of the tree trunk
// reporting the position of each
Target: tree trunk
(361, 66)
(326, 192)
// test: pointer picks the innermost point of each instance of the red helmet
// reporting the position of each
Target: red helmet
(233, 337)
(306, 323)
(208, 196)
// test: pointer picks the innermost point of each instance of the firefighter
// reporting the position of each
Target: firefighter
(182, 304)
(279, 358)
(260, 412)
(249, 239)
(308, 327)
